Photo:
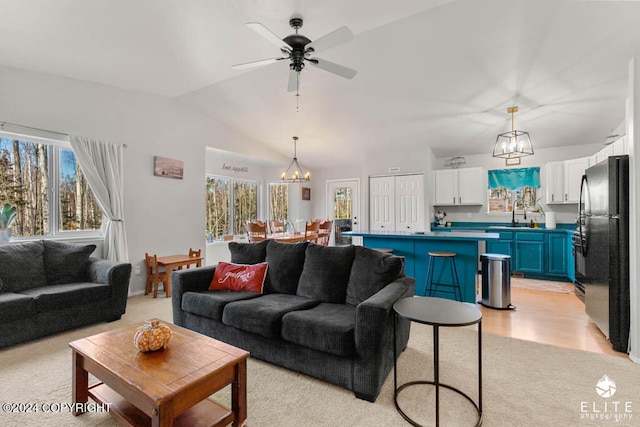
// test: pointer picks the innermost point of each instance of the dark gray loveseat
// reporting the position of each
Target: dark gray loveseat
(325, 311)
(49, 286)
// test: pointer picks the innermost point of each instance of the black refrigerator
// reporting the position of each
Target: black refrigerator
(602, 248)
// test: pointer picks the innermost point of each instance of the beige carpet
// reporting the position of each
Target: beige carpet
(525, 384)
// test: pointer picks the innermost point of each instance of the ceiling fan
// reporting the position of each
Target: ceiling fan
(299, 49)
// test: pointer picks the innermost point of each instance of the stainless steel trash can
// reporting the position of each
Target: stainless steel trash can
(496, 281)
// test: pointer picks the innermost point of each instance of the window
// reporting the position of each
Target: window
(278, 201)
(26, 177)
(502, 199)
(222, 194)
(342, 203)
(79, 209)
(511, 189)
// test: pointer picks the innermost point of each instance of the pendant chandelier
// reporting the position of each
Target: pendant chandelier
(293, 172)
(512, 144)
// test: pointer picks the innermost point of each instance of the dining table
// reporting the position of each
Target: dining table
(176, 262)
(287, 237)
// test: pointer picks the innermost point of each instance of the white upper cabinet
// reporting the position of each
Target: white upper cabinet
(555, 182)
(573, 171)
(620, 147)
(604, 153)
(563, 180)
(617, 148)
(446, 187)
(396, 203)
(459, 187)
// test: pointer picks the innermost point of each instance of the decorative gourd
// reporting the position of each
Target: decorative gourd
(152, 336)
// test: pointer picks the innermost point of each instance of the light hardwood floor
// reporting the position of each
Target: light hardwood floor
(551, 318)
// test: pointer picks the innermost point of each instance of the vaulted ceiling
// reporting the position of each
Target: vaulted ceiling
(438, 73)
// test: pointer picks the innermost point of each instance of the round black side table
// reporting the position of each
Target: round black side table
(437, 312)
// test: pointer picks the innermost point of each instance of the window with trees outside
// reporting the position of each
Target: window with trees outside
(279, 201)
(504, 200)
(229, 205)
(29, 170)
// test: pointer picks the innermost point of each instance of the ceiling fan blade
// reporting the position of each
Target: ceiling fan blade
(267, 34)
(332, 67)
(254, 64)
(293, 81)
(334, 38)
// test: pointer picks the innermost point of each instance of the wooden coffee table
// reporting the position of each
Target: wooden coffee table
(162, 388)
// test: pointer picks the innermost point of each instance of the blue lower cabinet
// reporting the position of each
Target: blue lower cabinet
(529, 250)
(500, 247)
(529, 257)
(538, 254)
(558, 254)
(503, 246)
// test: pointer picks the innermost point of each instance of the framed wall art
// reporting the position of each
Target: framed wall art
(306, 193)
(168, 168)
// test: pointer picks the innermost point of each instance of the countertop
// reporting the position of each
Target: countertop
(429, 235)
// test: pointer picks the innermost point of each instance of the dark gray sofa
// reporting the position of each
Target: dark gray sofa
(48, 286)
(325, 311)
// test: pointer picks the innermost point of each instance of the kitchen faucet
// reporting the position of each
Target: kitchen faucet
(513, 214)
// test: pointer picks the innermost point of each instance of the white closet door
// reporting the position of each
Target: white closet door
(409, 203)
(381, 203)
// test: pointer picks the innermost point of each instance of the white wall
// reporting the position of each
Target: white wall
(633, 134)
(402, 161)
(160, 213)
(564, 213)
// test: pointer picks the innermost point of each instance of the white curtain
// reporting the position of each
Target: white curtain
(102, 165)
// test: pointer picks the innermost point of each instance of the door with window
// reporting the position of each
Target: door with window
(343, 207)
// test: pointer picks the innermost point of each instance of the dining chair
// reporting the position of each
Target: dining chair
(195, 254)
(324, 232)
(155, 276)
(256, 231)
(311, 231)
(276, 226)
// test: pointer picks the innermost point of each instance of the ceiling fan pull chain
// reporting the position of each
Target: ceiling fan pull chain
(298, 93)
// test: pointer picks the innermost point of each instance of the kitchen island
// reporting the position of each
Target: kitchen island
(415, 248)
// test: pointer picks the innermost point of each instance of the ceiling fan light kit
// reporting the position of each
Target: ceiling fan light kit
(294, 172)
(513, 144)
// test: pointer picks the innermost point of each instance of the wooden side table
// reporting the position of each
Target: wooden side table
(437, 312)
(168, 387)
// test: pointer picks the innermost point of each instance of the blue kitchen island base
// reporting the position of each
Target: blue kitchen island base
(415, 249)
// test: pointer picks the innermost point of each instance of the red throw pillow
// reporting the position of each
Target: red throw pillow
(239, 277)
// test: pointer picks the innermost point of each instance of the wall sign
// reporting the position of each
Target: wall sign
(234, 168)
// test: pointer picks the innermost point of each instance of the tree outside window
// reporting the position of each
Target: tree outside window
(79, 209)
(229, 205)
(245, 204)
(26, 177)
(502, 199)
(279, 201)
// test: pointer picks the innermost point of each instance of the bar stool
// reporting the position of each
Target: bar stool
(431, 286)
